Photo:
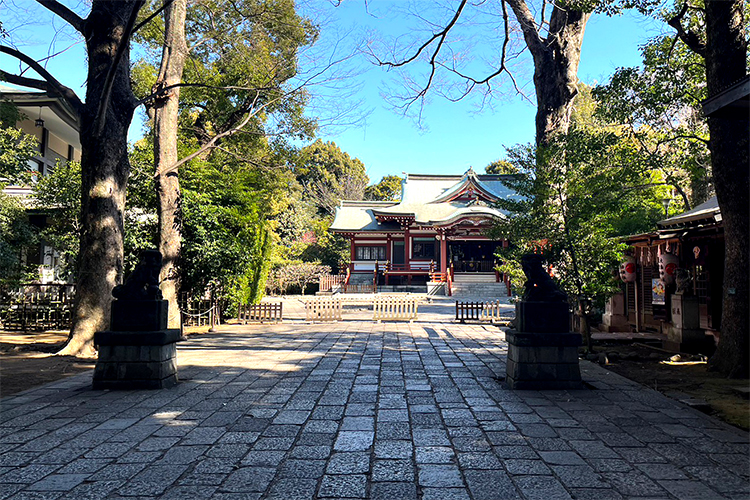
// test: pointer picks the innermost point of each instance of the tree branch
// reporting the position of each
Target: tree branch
(156, 13)
(66, 92)
(485, 81)
(211, 143)
(163, 90)
(528, 25)
(101, 113)
(688, 37)
(441, 35)
(68, 15)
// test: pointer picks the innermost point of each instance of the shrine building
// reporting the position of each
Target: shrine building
(439, 227)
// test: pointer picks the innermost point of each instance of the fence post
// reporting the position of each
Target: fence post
(212, 313)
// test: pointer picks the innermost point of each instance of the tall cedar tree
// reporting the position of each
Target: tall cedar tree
(724, 48)
(105, 116)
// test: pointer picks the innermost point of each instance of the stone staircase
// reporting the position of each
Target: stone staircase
(478, 286)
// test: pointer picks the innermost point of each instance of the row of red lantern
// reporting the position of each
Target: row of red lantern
(668, 264)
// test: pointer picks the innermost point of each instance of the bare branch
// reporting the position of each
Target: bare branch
(503, 54)
(441, 36)
(110, 79)
(66, 92)
(68, 15)
(677, 137)
(166, 89)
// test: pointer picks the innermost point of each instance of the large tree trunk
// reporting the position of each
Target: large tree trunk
(104, 172)
(725, 55)
(556, 59)
(169, 196)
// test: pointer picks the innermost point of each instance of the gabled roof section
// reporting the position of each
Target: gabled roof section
(359, 216)
(419, 188)
(705, 212)
(468, 185)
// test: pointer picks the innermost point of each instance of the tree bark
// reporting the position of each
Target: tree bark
(725, 54)
(556, 59)
(104, 170)
(166, 111)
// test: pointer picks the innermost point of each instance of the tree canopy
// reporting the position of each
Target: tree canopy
(388, 189)
(329, 175)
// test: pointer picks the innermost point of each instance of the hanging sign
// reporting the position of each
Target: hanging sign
(658, 292)
(627, 269)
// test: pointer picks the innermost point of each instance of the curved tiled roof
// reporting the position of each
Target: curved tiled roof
(427, 200)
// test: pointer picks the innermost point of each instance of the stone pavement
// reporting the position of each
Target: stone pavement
(362, 410)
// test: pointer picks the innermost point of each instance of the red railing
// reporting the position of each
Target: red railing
(414, 267)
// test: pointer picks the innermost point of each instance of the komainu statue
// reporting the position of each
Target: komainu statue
(539, 286)
(143, 283)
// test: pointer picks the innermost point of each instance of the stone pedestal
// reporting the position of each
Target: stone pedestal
(685, 333)
(542, 353)
(615, 317)
(139, 352)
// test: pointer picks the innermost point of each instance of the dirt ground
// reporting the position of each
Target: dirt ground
(686, 381)
(28, 360)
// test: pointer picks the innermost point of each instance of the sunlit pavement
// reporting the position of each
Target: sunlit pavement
(358, 409)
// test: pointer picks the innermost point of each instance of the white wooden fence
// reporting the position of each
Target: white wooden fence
(394, 308)
(491, 311)
(323, 309)
(263, 312)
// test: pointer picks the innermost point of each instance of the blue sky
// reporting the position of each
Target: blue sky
(452, 135)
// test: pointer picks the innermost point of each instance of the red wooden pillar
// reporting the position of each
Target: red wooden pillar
(352, 253)
(443, 252)
(407, 254)
(388, 254)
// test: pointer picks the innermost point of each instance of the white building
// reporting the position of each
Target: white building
(56, 128)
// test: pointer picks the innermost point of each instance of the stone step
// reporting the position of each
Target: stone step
(488, 290)
(479, 286)
(474, 278)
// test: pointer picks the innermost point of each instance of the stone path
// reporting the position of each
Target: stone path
(362, 410)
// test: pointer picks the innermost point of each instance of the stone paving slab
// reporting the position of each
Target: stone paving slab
(362, 410)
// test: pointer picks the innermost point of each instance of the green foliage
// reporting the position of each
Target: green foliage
(237, 87)
(501, 167)
(16, 237)
(659, 107)
(58, 195)
(573, 196)
(388, 189)
(329, 175)
(16, 147)
(240, 62)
